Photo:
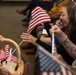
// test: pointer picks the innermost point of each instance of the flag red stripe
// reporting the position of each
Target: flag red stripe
(41, 20)
(68, 72)
(13, 58)
(36, 9)
(39, 13)
(6, 50)
(39, 16)
(34, 25)
(50, 73)
(2, 55)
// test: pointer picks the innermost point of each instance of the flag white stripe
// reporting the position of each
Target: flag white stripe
(40, 20)
(64, 72)
(44, 73)
(39, 13)
(37, 22)
(6, 50)
(36, 11)
(37, 8)
(51, 73)
(69, 73)
(58, 73)
(41, 17)
(34, 25)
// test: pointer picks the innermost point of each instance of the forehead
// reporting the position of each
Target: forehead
(64, 10)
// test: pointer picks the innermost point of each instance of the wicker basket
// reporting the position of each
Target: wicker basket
(20, 65)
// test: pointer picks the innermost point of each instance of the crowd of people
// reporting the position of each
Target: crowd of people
(45, 4)
(64, 30)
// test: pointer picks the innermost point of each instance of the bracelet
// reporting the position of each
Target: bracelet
(64, 39)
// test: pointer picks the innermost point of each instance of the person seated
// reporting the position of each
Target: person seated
(66, 36)
(55, 12)
(45, 4)
(43, 35)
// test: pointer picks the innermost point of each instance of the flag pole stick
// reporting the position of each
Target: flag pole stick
(52, 42)
(19, 45)
(20, 42)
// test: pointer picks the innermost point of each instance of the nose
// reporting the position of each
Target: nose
(61, 17)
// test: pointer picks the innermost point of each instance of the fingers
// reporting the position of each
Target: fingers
(24, 35)
(58, 56)
(59, 23)
(53, 29)
(28, 38)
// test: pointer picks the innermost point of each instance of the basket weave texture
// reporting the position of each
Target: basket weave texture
(19, 64)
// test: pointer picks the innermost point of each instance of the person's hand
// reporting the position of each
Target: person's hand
(59, 57)
(28, 38)
(59, 23)
(56, 30)
(1, 38)
(4, 71)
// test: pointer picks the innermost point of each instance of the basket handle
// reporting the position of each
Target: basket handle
(16, 45)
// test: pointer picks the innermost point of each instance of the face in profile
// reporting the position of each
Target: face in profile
(64, 16)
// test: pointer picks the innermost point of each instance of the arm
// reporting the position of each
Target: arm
(29, 38)
(64, 40)
(59, 57)
(68, 45)
(46, 39)
(47, 27)
(1, 38)
(44, 45)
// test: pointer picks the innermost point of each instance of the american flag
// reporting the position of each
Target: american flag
(6, 48)
(4, 54)
(39, 16)
(49, 65)
(13, 58)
